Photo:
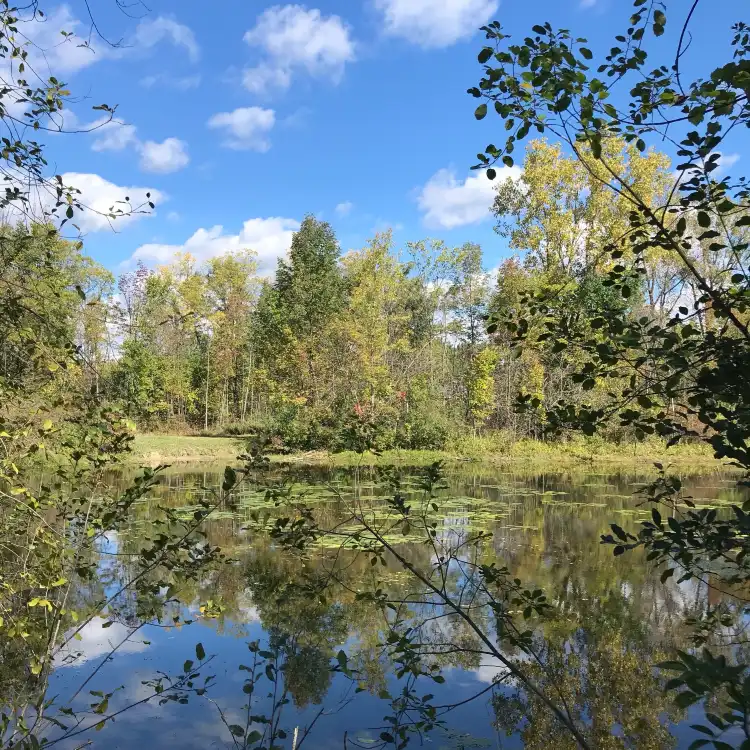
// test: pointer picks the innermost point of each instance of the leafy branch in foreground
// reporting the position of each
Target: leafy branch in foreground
(680, 375)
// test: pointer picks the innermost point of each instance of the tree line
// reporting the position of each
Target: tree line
(381, 347)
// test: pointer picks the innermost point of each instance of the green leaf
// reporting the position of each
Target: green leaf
(619, 532)
(200, 652)
(342, 660)
(230, 479)
(586, 52)
(485, 55)
(668, 573)
(683, 700)
(480, 112)
(596, 147)
(237, 730)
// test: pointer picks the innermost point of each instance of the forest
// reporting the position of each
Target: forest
(381, 347)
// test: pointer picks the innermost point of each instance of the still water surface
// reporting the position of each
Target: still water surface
(617, 620)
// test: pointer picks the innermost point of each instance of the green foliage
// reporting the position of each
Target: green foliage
(675, 366)
(139, 378)
(481, 384)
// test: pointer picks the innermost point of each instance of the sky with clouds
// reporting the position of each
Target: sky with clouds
(240, 118)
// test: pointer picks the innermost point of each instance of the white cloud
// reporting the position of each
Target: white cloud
(168, 156)
(181, 83)
(101, 197)
(152, 31)
(435, 23)
(245, 128)
(50, 52)
(342, 209)
(264, 77)
(114, 136)
(293, 37)
(163, 158)
(270, 238)
(727, 161)
(448, 202)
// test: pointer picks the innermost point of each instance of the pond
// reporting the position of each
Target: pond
(260, 634)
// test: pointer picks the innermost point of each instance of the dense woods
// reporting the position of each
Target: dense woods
(384, 346)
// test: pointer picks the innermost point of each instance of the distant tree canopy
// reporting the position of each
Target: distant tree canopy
(384, 344)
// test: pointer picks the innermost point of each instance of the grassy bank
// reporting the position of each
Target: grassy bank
(154, 449)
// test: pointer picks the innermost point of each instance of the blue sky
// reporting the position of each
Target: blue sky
(243, 117)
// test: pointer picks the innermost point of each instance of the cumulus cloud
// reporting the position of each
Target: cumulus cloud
(342, 209)
(447, 202)
(270, 238)
(49, 51)
(101, 197)
(114, 136)
(265, 77)
(168, 156)
(152, 31)
(245, 127)
(435, 23)
(291, 37)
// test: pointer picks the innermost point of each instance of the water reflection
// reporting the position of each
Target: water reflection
(616, 620)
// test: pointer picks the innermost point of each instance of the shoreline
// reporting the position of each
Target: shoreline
(175, 449)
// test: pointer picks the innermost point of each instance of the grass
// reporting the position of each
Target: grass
(172, 448)
(491, 449)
